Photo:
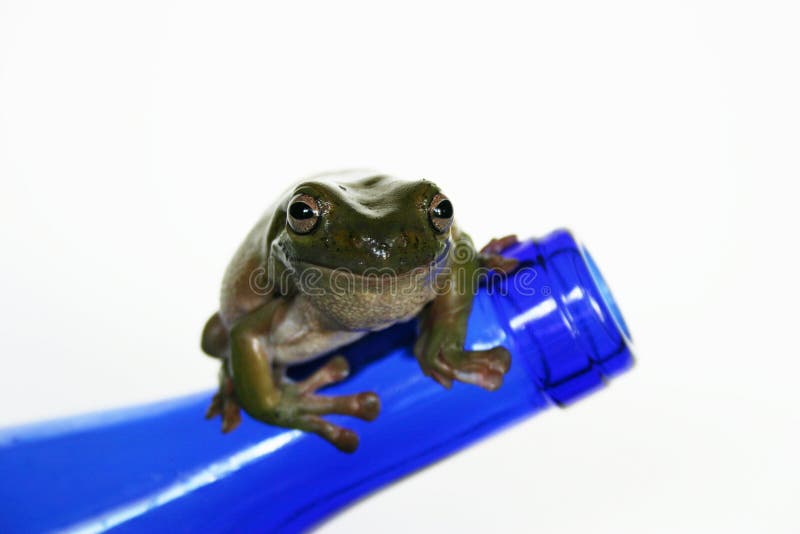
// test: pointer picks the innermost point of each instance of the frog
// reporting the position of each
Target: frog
(341, 255)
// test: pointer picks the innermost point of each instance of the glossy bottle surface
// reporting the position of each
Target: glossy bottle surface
(163, 467)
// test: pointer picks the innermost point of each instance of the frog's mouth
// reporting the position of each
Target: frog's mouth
(368, 277)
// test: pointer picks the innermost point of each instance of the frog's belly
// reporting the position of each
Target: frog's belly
(312, 345)
(302, 334)
(310, 329)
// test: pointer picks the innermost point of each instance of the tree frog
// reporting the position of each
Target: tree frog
(337, 257)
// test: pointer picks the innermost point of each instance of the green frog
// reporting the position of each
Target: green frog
(341, 255)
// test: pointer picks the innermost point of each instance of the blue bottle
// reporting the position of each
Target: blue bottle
(163, 468)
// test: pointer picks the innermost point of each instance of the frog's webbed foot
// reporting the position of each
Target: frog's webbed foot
(225, 404)
(490, 256)
(300, 407)
(441, 356)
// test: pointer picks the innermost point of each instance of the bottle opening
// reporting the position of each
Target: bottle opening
(605, 293)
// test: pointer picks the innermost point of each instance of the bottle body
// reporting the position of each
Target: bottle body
(163, 467)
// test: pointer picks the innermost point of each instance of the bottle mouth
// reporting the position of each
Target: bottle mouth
(604, 291)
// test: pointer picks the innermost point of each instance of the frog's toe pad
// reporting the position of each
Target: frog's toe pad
(368, 406)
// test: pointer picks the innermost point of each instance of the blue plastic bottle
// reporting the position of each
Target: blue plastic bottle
(164, 468)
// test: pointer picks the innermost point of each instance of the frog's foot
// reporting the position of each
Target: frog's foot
(299, 407)
(491, 257)
(442, 358)
(225, 405)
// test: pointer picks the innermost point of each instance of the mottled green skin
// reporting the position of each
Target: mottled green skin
(268, 319)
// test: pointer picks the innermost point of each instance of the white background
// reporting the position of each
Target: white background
(139, 141)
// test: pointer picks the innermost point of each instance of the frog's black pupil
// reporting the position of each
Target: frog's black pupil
(444, 210)
(301, 210)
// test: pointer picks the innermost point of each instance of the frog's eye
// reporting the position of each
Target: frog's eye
(441, 213)
(303, 213)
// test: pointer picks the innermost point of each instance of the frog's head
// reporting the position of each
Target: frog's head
(367, 248)
(372, 223)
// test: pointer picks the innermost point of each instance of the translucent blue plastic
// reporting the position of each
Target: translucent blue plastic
(163, 468)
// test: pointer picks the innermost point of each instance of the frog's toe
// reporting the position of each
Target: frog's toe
(443, 380)
(480, 376)
(343, 439)
(224, 404)
(308, 409)
(215, 408)
(498, 245)
(231, 416)
(485, 368)
(229, 411)
(496, 359)
(365, 406)
(431, 358)
(500, 264)
(335, 370)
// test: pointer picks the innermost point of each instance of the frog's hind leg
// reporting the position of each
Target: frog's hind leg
(216, 342)
(267, 395)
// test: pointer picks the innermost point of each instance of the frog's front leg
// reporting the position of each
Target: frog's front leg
(273, 399)
(443, 328)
